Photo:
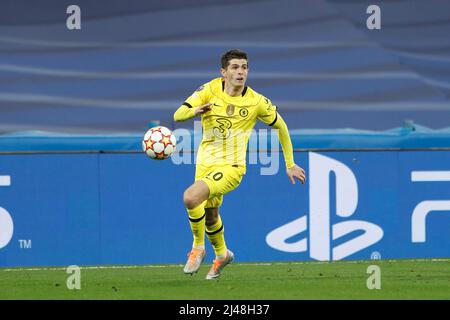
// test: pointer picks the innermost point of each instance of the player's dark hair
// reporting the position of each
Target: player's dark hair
(232, 54)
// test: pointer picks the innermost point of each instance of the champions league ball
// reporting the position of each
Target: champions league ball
(159, 143)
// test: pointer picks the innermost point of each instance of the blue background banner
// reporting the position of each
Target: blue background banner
(102, 208)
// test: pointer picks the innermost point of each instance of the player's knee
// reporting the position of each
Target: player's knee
(190, 199)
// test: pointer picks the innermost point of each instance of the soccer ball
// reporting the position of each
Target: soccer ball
(159, 143)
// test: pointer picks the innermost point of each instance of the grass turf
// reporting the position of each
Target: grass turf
(400, 279)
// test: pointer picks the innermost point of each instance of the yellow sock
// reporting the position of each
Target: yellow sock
(197, 222)
(215, 235)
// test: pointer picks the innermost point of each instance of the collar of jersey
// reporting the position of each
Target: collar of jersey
(231, 97)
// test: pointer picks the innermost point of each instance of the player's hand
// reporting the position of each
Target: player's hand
(202, 109)
(296, 172)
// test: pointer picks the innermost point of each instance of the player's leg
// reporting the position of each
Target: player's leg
(194, 199)
(215, 232)
(220, 182)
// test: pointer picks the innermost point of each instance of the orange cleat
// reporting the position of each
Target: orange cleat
(195, 259)
(218, 266)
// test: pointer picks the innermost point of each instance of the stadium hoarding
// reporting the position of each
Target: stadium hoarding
(123, 208)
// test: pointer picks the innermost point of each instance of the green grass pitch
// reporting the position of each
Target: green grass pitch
(400, 279)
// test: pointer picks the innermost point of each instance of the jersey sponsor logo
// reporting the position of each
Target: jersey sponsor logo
(321, 232)
(222, 130)
(230, 109)
(243, 112)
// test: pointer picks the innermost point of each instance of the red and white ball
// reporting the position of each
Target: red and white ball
(159, 143)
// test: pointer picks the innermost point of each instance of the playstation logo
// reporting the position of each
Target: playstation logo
(321, 232)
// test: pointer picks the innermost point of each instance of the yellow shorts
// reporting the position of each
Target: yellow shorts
(220, 180)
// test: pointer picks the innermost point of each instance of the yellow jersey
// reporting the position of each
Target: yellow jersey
(229, 123)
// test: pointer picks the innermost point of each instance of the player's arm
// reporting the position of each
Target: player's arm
(186, 111)
(268, 113)
(195, 105)
(292, 170)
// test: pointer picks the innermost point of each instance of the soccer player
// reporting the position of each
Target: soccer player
(229, 110)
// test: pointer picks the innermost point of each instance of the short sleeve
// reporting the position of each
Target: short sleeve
(267, 112)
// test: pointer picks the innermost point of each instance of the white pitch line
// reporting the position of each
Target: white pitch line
(91, 267)
(236, 265)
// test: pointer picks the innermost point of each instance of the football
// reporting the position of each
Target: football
(159, 143)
